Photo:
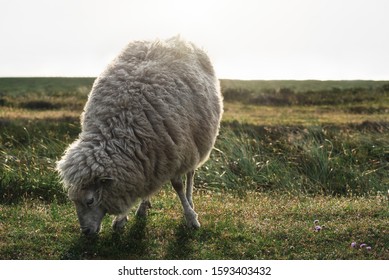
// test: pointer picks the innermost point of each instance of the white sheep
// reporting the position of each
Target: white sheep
(152, 116)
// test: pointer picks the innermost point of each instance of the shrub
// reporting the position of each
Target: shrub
(39, 105)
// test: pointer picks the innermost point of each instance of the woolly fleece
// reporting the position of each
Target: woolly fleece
(152, 115)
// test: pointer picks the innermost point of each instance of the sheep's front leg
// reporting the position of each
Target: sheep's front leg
(190, 214)
(143, 207)
(119, 222)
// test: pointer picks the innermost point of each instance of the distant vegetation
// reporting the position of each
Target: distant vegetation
(286, 93)
(44, 93)
(44, 87)
(55, 93)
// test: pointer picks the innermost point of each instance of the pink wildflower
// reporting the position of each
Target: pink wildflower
(318, 228)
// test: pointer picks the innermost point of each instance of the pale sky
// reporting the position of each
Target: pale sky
(245, 39)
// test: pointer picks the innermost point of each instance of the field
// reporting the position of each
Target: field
(299, 171)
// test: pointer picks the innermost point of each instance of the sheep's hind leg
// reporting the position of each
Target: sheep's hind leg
(143, 207)
(119, 222)
(190, 214)
(189, 187)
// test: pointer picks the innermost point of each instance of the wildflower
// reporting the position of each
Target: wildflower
(316, 222)
(353, 244)
(368, 248)
(363, 245)
(318, 228)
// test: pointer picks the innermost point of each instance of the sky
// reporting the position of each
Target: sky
(245, 39)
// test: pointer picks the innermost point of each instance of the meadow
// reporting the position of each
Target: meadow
(299, 171)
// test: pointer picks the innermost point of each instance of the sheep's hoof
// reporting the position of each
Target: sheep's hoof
(191, 220)
(118, 223)
(193, 224)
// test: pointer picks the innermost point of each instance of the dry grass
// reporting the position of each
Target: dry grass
(24, 114)
(295, 115)
(234, 111)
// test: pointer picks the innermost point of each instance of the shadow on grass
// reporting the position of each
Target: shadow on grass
(182, 245)
(135, 243)
(130, 244)
(190, 244)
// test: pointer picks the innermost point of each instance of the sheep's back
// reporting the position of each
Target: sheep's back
(160, 105)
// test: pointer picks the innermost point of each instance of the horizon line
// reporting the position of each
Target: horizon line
(231, 79)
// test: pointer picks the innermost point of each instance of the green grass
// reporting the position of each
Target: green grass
(44, 87)
(275, 169)
(258, 226)
(331, 160)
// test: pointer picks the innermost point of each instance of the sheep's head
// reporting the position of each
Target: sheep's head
(96, 184)
(83, 171)
(89, 207)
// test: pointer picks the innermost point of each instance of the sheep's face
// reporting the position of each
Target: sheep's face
(88, 206)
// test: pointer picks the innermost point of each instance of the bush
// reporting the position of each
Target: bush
(237, 94)
(39, 105)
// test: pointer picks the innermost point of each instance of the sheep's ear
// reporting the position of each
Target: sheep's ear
(105, 182)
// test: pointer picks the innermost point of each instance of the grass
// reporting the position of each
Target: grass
(275, 169)
(258, 226)
(301, 115)
(331, 160)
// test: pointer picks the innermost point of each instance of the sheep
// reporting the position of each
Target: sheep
(151, 117)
